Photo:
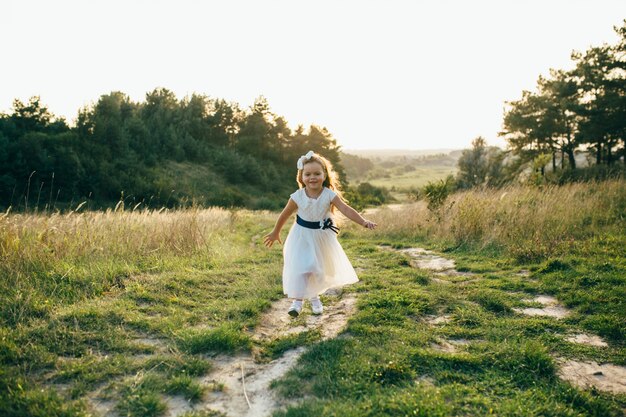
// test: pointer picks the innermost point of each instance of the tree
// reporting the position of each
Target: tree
(108, 118)
(297, 145)
(527, 127)
(618, 82)
(258, 133)
(561, 118)
(121, 146)
(194, 117)
(585, 106)
(480, 165)
(602, 89)
(356, 167)
(31, 117)
(159, 114)
(320, 140)
(225, 120)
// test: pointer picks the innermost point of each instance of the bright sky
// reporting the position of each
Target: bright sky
(385, 74)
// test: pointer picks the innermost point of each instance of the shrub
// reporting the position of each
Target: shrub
(366, 194)
(436, 193)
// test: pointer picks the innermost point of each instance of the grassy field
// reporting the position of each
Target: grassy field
(133, 306)
(416, 178)
(402, 171)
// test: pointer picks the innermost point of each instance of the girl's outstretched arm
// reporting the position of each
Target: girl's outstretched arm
(274, 235)
(352, 214)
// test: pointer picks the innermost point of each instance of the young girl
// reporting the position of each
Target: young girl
(314, 261)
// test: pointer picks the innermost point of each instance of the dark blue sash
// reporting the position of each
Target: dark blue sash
(325, 224)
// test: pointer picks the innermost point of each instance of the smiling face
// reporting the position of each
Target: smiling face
(313, 176)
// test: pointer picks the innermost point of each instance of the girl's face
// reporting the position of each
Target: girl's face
(313, 176)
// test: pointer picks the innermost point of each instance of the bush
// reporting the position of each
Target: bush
(366, 194)
(436, 193)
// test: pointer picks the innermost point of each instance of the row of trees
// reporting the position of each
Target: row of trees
(118, 145)
(580, 109)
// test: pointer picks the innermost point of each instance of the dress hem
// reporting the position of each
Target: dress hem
(322, 291)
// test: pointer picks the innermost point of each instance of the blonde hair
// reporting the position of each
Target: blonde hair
(332, 178)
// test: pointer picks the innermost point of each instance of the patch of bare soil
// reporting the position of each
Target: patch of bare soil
(239, 386)
(587, 339)
(455, 273)
(443, 346)
(551, 307)
(425, 259)
(104, 407)
(436, 320)
(245, 383)
(449, 346)
(151, 343)
(176, 406)
(605, 377)
(443, 267)
(277, 323)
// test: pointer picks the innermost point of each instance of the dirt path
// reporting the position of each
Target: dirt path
(225, 382)
(373, 210)
(242, 383)
(275, 323)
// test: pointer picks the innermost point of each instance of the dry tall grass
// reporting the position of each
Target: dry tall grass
(36, 237)
(45, 258)
(527, 222)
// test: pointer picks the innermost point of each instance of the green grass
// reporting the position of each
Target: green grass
(275, 348)
(133, 306)
(159, 318)
(386, 364)
(417, 178)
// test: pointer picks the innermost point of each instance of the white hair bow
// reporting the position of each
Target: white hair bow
(303, 158)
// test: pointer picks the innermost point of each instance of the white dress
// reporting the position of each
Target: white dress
(314, 259)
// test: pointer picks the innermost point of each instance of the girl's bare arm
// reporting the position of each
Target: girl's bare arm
(274, 235)
(352, 214)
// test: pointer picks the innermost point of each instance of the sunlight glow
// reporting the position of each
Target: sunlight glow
(400, 74)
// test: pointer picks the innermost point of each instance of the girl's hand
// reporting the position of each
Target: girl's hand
(369, 225)
(271, 238)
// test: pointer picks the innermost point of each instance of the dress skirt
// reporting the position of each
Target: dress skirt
(314, 261)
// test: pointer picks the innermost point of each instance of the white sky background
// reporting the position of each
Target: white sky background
(378, 74)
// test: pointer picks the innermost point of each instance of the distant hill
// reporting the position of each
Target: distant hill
(394, 153)
(399, 170)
